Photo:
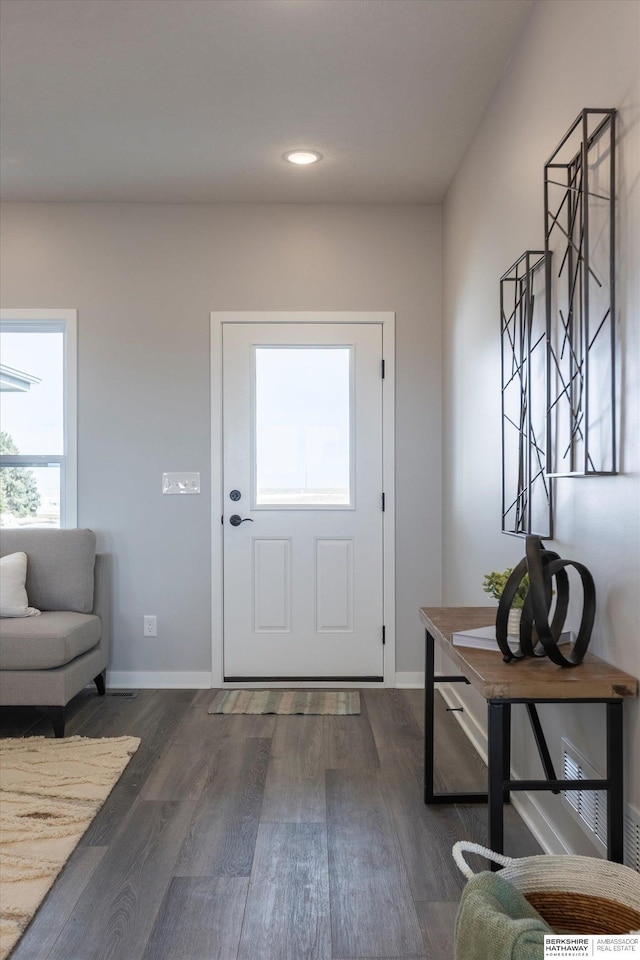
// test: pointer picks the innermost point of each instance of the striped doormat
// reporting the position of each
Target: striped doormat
(337, 702)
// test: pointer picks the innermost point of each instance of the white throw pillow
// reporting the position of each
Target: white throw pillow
(13, 595)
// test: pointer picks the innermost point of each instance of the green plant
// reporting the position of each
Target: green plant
(494, 584)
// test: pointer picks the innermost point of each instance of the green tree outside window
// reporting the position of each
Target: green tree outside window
(18, 487)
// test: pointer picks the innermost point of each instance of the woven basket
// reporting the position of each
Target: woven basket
(573, 894)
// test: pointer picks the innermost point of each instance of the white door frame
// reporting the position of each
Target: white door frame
(387, 321)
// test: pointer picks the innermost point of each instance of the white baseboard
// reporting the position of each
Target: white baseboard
(159, 679)
(526, 804)
(410, 680)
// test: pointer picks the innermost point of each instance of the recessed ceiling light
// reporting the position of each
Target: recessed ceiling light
(302, 157)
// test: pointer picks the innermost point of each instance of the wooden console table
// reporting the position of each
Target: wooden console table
(530, 681)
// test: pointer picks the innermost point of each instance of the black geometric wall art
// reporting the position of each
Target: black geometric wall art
(579, 198)
(527, 506)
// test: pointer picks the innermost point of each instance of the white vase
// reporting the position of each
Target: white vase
(513, 623)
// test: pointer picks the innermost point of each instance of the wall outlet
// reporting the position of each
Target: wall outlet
(180, 483)
(150, 625)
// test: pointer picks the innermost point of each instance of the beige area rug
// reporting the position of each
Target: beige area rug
(337, 702)
(50, 791)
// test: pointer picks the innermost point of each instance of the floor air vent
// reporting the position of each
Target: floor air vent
(632, 838)
(589, 807)
(123, 694)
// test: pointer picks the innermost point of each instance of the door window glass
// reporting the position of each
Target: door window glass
(302, 427)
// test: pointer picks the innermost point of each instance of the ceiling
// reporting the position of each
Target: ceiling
(197, 100)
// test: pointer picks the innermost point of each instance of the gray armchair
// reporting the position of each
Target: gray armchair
(46, 660)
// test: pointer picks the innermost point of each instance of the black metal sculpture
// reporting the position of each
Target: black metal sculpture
(547, 576)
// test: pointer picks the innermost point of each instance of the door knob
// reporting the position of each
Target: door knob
(235, 520)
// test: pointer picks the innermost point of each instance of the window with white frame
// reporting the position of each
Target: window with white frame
(38, 476)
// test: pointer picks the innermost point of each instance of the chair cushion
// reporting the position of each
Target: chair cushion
(60, 565)
(50, 640)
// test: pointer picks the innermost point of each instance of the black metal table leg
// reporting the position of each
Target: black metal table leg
(430, 796)
(497, 740)
(428, 717)
(615, 777)
(506, 750)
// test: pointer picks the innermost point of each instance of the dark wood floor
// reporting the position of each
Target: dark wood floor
(263, 838)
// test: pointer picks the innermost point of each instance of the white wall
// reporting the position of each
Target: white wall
(144, 278)
(569, 56)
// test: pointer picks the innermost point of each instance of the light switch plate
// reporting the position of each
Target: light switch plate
(181, 483)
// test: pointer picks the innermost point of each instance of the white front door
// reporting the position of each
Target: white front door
(302, 501)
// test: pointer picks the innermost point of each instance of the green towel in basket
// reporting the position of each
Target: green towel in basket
(495, 922)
